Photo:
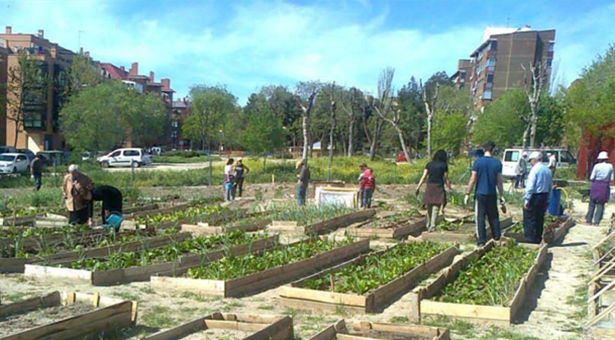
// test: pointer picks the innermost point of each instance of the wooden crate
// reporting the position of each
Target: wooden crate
(206, 229)
(466, 234)
(110, 314)
(265, 327)
(366, 330)
(499, 315)
(261, 281)
(324, 226)
(17, 265)
(558, 234)
(143, 273)
(373, 301)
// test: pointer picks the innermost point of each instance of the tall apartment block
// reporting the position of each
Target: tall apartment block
(496, 66)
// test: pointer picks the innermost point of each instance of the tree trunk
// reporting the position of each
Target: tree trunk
(350, 133)
(306, 137)
(526, 135)
(400, 134)
(376, 138)
(533, 125)
(429, 122)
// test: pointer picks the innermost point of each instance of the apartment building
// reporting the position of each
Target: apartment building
(181, 110)
(4, 53)
(497, 64)
(40, 128)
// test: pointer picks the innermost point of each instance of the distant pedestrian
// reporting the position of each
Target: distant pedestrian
(240, 171)
(521, 171)
(229, 178)
(303, 177)
(436, 175)
(36, 169)
(601, 178)
(368, 186)
(77, 189)
(487, 175)
(552, 163)
(536, 199)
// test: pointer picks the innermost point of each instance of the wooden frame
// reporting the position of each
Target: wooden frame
(324, 226)
(597, 312)
(557, 235)
(373, 301)
(265, 327)
(477, 313)
(17, 265)
(110, 314)
(206, 229)
(604, 263)
(339, 331)
(143, 273)
(461, 237)
(261, 281)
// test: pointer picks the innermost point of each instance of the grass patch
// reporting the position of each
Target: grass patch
(127, 296)
(158, 317)
(399, 319)
(266, 307)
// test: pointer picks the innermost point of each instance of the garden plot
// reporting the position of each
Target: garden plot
(380, 331)
(370, 282)
(555, 229)
(231, 326)
(61, 316)
(13, 258)
(488, 285)
(236, 276)
(229, 221)
(408, 222)
(460, 230)
(123, 267)
(34, 237)
(316, 220)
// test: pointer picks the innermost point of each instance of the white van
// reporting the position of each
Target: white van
(511, 157)
(125, 157)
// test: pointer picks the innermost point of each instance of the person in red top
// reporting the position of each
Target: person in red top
(368, 186)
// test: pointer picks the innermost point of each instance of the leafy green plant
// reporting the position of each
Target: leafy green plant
(307, 215)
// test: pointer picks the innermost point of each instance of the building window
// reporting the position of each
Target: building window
(490, 78)
(487, 95)
(491, 61)
(551, 46)
(494, 45)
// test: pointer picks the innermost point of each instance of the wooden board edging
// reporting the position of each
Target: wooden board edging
(340, 331)
(213, 230)
(340, 222)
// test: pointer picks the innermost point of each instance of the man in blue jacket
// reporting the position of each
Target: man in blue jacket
(536, 199)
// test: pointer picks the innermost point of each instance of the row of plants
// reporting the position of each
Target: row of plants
(454, 225)
(551, 222)
(175, 216)
(377, 269)
(233, 267)
(23, 232)
(392, 220)
(197, 245)
(492, 279)
(308, 215)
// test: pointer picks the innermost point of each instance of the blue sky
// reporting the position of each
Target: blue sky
(248, 44)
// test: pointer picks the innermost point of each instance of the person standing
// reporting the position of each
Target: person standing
(241, 171)
(487, 176)
(36, 169)
(77, 189)
(229, 180)
(552, 163)
(303, 179)
(521, 171)
(368, 186)
(536, 198)
(436, 175)
(601, 178)
(112, 202)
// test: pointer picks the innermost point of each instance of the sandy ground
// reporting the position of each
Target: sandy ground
(548, 315)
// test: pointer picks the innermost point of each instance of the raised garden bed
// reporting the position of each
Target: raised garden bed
(409, 222)
(246, 275)
(92, 246)
(64, 316)
(253, 327)
(488, 285)
(249, 224)
(314, 220)
(460, 230)
(34, 237)
(366, 330)
(370, 282)
(555, 229)
(124, 267)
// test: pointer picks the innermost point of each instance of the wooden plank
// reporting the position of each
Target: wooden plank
(279, 330)
(40, 271)
(340, 221)
(603, 241)
(49, 300)
(290, 292)
(429, 307)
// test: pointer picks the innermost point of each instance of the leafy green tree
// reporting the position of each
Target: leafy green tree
(264, 132)
(450, 130)
(502, 121)
(144, 115)
(411, 104)
(211, 105)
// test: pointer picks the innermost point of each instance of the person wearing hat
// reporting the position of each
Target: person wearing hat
(368, 186)
(601, 178)
(303, 179)
(77, 189)
(241, 170)
(536, 198)
(521, 171)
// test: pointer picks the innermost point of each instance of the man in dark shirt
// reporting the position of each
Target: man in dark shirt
(304, 179)
(487, 175)
(36, 169)
(111, 198)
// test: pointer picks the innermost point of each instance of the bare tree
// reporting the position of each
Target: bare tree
(352, 97)
(537, 74)
(307, 91)
(387, 109)
(430, 107)
(332, 119)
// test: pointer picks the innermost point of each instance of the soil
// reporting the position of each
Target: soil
(21, 322)
(215, 334)
(389, 336)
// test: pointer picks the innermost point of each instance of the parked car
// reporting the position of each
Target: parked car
(7, 149)
(125, 157)
(12, 163)
(511, 157)
(28, 153)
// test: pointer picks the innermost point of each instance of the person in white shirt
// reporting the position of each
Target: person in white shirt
(552, 163)
(229, 180)
(601, 178)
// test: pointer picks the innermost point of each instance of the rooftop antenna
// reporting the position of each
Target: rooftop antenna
(79, 39)
(507, 22)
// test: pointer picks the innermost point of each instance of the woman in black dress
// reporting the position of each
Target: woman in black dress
(436, 175)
